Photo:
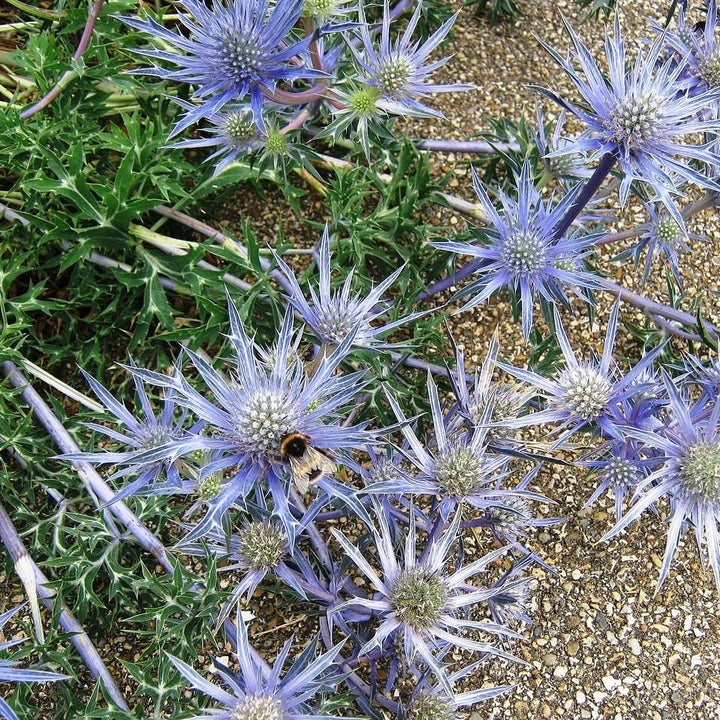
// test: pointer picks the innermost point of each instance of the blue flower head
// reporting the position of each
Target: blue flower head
(419, 602)
(333, 315)
(698, 50)
(640, 113)
(400, 69)
(689, 477)
(232, 49)
(584, 392)
(269, 396)
(521, 253)
(259, 691)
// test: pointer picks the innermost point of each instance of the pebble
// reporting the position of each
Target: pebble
(573, 648)
(550, 659)
(611, 683)
(634, 645)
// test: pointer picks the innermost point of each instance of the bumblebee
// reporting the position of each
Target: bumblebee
(307, 464)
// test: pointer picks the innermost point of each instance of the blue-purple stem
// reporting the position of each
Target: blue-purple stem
(78, 637)
(607, 163)
(466, 146)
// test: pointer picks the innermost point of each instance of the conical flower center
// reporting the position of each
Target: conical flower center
(667, 231)
(393, 74)
(363, 102)
(337, 319)
(512, 516)
(620, 473)
(262, 544)
(524, 252)
(262, 422)
(240, 128)
(710, 68)
(152, 436)
(586, 392)
(460, 471)
(258, 707)
(432, 707)
(419, 597)
(238, 56)
(636, 120)
(700, 471)
(319, 8)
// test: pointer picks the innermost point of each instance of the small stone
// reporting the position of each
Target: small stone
(546, 710)
(611, 683)
(560, 671)
(580, 697)
(634, 645)
(522, 709)
(598, 697)
(550, 659)
(573, 648)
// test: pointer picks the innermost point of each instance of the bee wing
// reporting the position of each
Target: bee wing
(309, 468)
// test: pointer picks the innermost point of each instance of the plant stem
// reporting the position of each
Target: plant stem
(222, 240)
(466, 146)
(444, 284)
(607, 163)
(69, 75)
(87, 473)
(653, 308)
(78, 636)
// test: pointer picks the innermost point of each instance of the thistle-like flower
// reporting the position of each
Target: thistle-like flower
(620, 470)
(232, 49)
(398, 69)
(639, 113)
(141, 434)
(505, 400)
(689, 477)
(458, 468)
(335, 315)
(699, 50)
(521, 253)
(258, 692)
(10, 673)
(257, 548)
(268, 398)
(663, 237)
(233, 132)
(583, 392)
(420, 602)
(433, 702)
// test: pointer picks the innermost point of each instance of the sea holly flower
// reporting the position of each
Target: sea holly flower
(705, 375)
(398, 69)
(232, 49)
(141, 433)
(620, 470)
(584, 392)
(665, 238)
(418, 601)
(257, 547)
(563, 167)
(432, 702)
(520, 251)
(333, 315)
(268, 397)
(505, 400)
(233, 132)
(259, 691)
(9, 672)
(457, 468)
(640, 114)
(689, 477)
(698, 50)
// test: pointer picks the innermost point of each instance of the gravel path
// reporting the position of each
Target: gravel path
(603, 645)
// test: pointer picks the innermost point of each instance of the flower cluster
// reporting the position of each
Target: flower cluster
(259, 71)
